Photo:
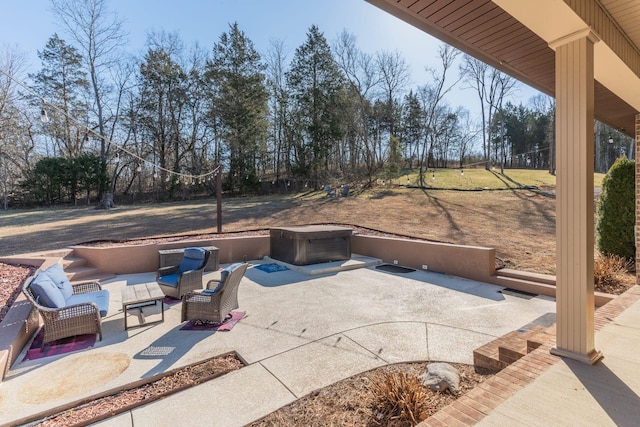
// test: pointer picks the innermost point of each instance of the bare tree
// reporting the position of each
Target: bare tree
(363, 76)
(467, 134)
(432, 98)
(475, 74)
(275, 59)
(394, 78)
(98, 36)
(16, 122)
(501, 85)
(492, 86)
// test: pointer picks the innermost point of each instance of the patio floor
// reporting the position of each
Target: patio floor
(301, 333)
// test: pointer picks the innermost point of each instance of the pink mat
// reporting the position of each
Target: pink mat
(61, 346)
(227, 325)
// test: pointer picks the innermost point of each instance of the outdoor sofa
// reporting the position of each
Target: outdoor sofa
(66, 309)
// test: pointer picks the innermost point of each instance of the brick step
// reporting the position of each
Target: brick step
(503, 351)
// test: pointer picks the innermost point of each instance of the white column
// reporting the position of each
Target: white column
(575, 305)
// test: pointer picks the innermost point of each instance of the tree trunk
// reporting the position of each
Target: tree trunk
(107, 201)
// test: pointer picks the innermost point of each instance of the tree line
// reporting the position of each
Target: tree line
(154, 126)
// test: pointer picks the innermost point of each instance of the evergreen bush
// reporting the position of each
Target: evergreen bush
(616, 211)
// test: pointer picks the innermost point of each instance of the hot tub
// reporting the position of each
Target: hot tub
(313, 244)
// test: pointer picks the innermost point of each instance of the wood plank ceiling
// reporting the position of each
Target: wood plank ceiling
(484, 30)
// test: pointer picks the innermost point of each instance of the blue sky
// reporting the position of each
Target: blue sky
(28, 24)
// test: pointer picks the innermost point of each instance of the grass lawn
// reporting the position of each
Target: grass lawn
(520, 224)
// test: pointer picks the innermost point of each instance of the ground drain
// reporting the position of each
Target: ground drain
(517, 293)
(391, 268)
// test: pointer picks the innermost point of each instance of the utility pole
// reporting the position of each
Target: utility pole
(219, 198)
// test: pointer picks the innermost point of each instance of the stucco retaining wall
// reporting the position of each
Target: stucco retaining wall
(471, 262)
(22, 319)
(130, 259)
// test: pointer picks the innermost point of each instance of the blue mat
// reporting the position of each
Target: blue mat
(272, 268)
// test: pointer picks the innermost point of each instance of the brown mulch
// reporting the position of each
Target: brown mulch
(352, 402)
(625, 281)
(11, 277)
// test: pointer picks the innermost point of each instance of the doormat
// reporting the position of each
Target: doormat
(518, 293)
(61, 346)
(391, 268)
(203, 325)
(272, 268)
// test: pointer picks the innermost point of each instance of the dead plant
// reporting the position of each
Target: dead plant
(608, 271)
(399, 399)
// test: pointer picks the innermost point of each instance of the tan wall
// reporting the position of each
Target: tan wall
(16, 329)
(471, 262)
(22, 320)
(38, 261)
(129, 259)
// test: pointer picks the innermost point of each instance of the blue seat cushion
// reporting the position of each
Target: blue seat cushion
(101, 298)
(57, 276)
(169, 280)
(224, 274)
(46, 292)
(192, 260)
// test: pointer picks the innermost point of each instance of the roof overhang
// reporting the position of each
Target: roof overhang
(517, 36)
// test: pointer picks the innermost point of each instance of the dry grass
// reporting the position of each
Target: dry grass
(520, 224)
(609, 274)
(352, 402)
(399, 398)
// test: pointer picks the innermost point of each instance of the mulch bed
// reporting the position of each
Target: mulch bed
(114, 404)
(11, 277)
(352, 402)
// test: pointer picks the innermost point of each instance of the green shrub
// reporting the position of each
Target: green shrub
(616, 211)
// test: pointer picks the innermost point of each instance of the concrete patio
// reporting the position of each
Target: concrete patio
(301, 332)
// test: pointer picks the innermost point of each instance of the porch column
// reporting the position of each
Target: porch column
(575, 305)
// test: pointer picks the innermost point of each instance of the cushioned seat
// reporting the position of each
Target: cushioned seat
(101, 298)
(176, 281)
(169, 280)
(66, 309)
(216, 302)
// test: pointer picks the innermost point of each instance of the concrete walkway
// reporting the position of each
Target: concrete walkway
(301, 332)
(544, 390)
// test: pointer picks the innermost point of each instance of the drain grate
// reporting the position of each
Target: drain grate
(517, 293)
(391, 268)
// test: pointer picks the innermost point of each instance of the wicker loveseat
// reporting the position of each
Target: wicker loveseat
(66, 309)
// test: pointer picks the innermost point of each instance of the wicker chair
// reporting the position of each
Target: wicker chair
(175, 281)
(221, 296)
(74, 319)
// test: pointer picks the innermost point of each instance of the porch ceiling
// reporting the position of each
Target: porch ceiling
(514, 36)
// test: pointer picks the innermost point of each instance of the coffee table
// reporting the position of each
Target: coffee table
(138, 296)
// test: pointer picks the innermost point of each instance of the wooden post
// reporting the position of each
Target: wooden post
(219, 198)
